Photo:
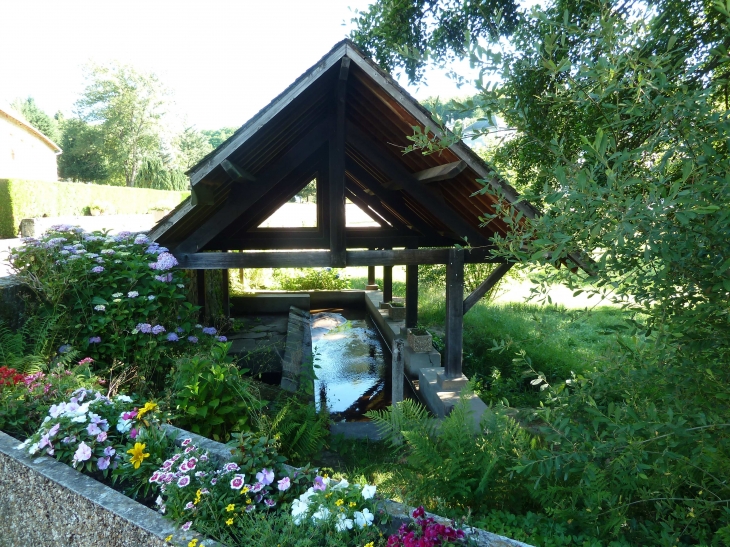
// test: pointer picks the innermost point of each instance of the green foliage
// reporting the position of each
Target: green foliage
(24, 350)
(434, 275)
(192, 146)
(211, 395)
(403, 35)
(37, 118)
(310, 279)
(128, 107)
(21, 199)
(153, 173)
(83, 158)
(216, 137)
(300, 429)
(113, 297)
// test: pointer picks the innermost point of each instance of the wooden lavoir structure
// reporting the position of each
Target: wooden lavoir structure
(345, 123)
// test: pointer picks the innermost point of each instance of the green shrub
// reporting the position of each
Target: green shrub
(211, 395)
(21, 199)
(310, 279)
(115, 298)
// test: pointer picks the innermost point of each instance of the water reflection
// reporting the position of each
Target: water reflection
(353, 373)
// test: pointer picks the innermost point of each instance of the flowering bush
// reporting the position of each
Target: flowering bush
(118, 298)
(426, 532)
(339, 504)
(26, 398)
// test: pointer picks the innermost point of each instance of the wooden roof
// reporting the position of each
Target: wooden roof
(344, 121)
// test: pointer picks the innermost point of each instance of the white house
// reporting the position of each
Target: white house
(25, 152)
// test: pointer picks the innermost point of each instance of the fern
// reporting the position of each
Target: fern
(391, 422)
(301, 430)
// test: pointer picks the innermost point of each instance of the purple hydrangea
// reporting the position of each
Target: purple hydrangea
(64, 348)
(209, 330)
(164, 278)
(172, 337)
(144, 328)
(95, 340)
(97, 269)
(222, 339)
(132, 294)
(158, 329)
(141, 239)
(165, 261)
(193, 339)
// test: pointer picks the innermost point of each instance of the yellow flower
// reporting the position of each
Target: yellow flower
(193, 543)
(138, 454)
(231, 507)
(369, 544)
(339, 502)
(196, 501)
(353, 504)
(244, 489)
(248, 501)
(229, 522)
(168, 539)
(148, 407)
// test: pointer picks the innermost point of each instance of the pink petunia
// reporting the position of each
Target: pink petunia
(265, 476)
(237, 482)
(284, 484)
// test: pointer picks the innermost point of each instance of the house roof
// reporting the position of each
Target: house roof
(11, 114)
(380, 115)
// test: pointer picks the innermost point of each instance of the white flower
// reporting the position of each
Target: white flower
(79, 419)
(117, 295)
(132, 294)
(33, 449)
(341, 485)
(322, 514)
(343, 523)
(151, 297)
(299, 510)
(124, 398)
(368, 491)
(364, 518)
(23, 445)
(124, 425)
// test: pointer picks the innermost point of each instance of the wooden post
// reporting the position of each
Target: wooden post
(387, 283)
(371, 275)
(454, 313)
(337, 171)
(200, 282)
(226, 294)
(397, 371)
(411, 296)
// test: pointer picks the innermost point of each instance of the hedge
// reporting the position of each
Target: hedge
(21, 199)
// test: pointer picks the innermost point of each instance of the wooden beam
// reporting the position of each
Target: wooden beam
(235, 172)
(202, 194)
(434, 174)
(486, 285)
(337, 170)
(427, 197)
(387, 283)
(245, 195)
(312, 259)
(365, 208)
(440, 172)
(393, 199)
(454, 336)
(161, 228)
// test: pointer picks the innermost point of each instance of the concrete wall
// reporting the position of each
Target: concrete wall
(23, 154)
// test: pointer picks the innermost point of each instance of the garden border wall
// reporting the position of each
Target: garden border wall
(46, 502)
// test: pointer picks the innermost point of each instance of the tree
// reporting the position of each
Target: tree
(216, 137)
(38, 119)
(83, 156)
(620, 110)
(192, 146)
(128, 107)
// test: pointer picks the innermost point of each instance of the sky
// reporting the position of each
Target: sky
(223, 60)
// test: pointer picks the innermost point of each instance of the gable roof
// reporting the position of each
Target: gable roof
(379, 177)
(15, 117)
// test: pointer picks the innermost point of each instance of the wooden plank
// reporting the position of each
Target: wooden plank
(454, 335)
(486, 285)
(267, 114)
(236, 173)
(202, 194)
(245, 195)
(371, 275)
(218, 261)
(161, 227)
(365, 208)
(312, 259)
(337, 170)
(426, 197)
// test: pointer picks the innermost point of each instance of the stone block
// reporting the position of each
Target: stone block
(414, 362)
(451, 384)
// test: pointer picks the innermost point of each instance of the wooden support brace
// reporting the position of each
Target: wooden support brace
(411, 295)
(387, 283)
(486, 285)
(454, 313)
(235, 172)
(441, 172)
